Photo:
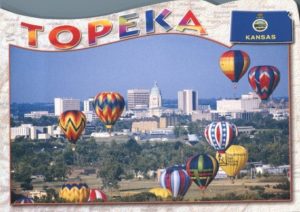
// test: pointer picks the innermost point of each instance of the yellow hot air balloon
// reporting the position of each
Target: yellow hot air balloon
(233, 160)
(74, 192)
(161, 192)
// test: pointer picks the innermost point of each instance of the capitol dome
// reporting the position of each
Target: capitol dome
(155, 101)
(155, 91)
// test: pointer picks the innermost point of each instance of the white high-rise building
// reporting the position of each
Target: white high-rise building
(88, 105)
(247, 103)
(88, 110)
(63, 104)
(155, 101)
(137, 98)
(187, 101)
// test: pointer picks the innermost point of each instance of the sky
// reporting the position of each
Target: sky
(176, 62)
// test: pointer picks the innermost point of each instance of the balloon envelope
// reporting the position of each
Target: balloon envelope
(202, 169)
(108, 107)
(96, 195)
(24, 200)
(264, 80)
(72, 123)
(176, 179)
(234, 64)
(75, 192)
(220, 135)
(161, 192)
(233, 160)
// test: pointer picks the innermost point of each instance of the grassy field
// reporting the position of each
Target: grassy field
(221, 187)
(217, 187)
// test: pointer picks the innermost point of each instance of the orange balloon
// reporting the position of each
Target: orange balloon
(72, 123)
(234, 64)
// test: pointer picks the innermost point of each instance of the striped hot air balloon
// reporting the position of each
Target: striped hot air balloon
(220, 135)
(74, 192)
(97, 195)
(202, 169)
(234, 64)
(24, 200)
(264, 80)
(175, 179)
(72, 123)
(108, 106)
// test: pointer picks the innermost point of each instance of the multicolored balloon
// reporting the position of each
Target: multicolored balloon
(233, 160)
(202, 169)
(97, 195)
(161, 192)
(108, 107)
(72, 123)
(177, 180)
(220, 135)
(264, 80)
(234, 64)
(24, 200)
(74, 192)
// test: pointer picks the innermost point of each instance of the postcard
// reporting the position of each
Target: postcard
(182, 102)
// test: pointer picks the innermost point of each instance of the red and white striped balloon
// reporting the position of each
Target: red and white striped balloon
(96, 195)
(220, 135)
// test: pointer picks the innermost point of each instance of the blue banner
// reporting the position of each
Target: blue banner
(261, 27)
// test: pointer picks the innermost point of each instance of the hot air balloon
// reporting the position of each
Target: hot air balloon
(72, 123)
(97, 195)
(74, 192)
(24, 200)
(220, 135)
(202, 169)
(233, 160)
(264, 80)
(234, 64)
(161, 192)
(177, 180)
(108, 107)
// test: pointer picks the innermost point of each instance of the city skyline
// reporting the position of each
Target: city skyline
(196, 68)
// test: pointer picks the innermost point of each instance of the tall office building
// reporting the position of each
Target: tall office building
(88, 105)
(187, 101)
(137, 98)
(63, 104)
(88, 110)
